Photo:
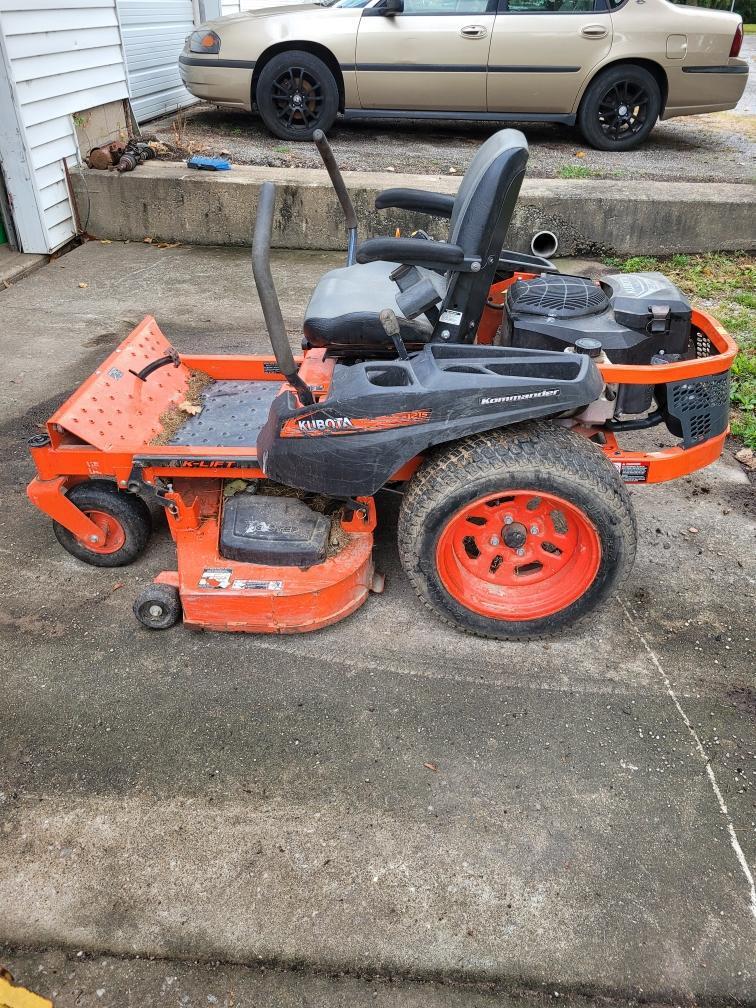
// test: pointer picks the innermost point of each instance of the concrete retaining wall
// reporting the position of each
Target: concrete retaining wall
(168, 202)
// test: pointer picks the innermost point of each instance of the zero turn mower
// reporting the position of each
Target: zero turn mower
(487, 387)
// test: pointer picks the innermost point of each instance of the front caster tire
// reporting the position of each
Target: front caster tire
(158, 607)
(124, 518)
(517, 533)
(619, 108)
(297, 94)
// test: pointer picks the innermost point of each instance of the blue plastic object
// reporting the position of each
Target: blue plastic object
(208, 163)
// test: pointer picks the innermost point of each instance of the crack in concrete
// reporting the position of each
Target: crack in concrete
(734, 842)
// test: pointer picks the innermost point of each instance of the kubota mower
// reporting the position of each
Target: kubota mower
(489, 389)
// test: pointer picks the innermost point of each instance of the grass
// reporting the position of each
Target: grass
(749, 29)
(575, 171)
(722, 285)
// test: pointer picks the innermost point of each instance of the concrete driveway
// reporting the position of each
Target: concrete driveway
(590, 824)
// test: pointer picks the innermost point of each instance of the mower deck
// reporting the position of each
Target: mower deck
(257, 597)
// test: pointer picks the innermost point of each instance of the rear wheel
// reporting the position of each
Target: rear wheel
(296, 94)
(516, 534)
(124, 518)
(619, 108)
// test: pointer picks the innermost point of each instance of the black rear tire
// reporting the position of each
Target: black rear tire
(126, 517)
(518, 463)
(619, 108)
(158, 607)
(296, 94)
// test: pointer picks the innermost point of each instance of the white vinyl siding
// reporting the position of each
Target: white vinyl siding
(62, 57)
(153, 37)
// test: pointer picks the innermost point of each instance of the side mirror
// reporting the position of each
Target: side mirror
(391, 7)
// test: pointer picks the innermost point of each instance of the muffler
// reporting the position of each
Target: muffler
(545, 244)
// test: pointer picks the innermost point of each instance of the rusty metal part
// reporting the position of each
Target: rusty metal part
(135, 153)
(106, 155)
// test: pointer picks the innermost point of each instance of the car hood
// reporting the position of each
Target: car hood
(262, 8)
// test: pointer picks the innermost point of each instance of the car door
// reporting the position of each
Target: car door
(542, 51)
(430, 57)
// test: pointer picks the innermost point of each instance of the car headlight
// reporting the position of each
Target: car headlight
(204, 42)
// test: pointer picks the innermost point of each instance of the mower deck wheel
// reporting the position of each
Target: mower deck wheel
(158, 607)
(124, 518)
(516, 534)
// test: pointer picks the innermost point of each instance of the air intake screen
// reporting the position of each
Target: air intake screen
(557, 296)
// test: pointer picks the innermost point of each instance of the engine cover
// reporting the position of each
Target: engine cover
(635, 315)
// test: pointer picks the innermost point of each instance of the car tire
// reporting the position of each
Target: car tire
(296, 94)
(620, 108)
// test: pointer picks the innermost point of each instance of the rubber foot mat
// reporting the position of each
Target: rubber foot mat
(233, 413)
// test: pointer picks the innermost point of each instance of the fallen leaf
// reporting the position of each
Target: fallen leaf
(693, 530)
(105, 241)
(148, 241)
(431, 766)
(390, 168)
(746, 457)
(190, 408)
(453, 171)
(580, 153)
(83, 285)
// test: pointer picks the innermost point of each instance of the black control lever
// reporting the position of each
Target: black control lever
(391, 328)
(337, 181)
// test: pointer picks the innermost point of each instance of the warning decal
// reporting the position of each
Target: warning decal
(632, 472)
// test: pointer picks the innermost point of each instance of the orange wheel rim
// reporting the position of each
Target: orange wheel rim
(518, 555)
(115, 535)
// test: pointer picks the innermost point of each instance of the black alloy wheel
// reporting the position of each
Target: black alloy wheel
(297, 94)
(620, 108)
(623, 110)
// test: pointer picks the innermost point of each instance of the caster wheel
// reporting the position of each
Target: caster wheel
(124, 518)
(158, 607)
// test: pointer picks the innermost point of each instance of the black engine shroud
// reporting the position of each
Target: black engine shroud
(635, 316)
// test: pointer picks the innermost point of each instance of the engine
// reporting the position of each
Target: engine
(639, 318)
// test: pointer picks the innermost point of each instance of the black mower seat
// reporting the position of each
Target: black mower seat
(344, 307)
(455, 275)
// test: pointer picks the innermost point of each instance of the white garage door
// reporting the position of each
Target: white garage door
(153, 37)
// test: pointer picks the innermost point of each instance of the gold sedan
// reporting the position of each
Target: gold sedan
(613, 67)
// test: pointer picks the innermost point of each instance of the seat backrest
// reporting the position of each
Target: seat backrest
(480, 219)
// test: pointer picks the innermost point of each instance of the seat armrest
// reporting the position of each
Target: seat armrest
(434, 204)
(414, 252)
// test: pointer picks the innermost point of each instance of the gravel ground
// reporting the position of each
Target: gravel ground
(718, 147)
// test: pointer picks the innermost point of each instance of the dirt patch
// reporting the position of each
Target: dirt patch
(174, 417)
(717, 147)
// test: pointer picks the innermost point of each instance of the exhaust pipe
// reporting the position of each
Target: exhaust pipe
(545, 244)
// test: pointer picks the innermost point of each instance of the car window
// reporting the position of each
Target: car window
(448, 6)
(552, 6)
